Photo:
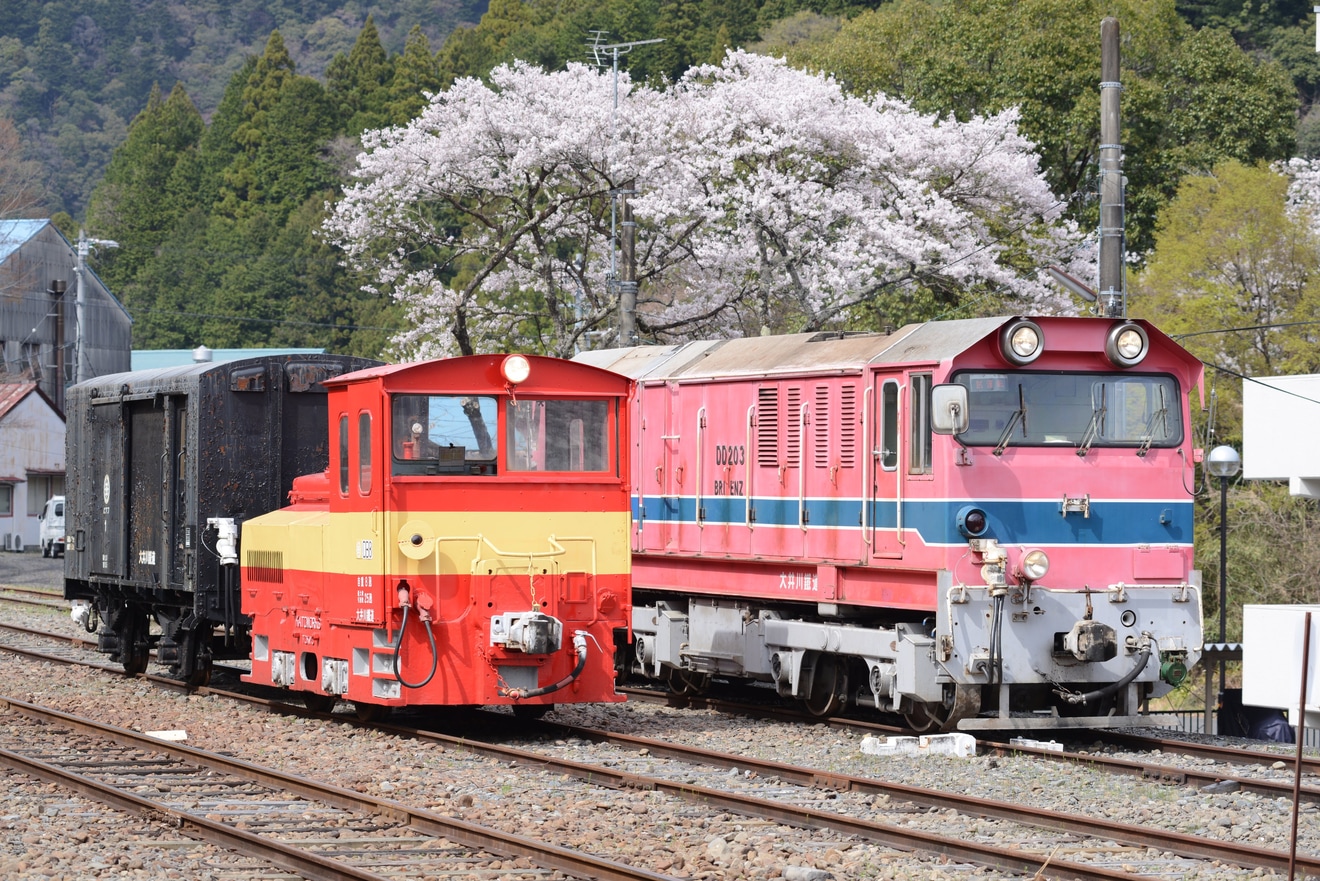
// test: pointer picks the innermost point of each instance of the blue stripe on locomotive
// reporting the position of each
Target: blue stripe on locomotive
(1010, 522)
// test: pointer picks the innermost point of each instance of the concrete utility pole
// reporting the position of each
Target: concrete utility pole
(1112, 244)
(84, 247)
(627, 285)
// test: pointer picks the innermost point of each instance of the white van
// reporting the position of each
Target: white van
(52, 528)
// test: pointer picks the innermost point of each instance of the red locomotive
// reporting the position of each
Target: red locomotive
(467, 545)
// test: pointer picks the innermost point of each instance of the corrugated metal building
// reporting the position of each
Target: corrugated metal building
(31, 461)
(38, 312)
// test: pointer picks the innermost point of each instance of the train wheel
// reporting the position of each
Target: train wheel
(688, 682)
(134, 653)
(319, 703)
(531, 712)
(959, 702)
(135, 663)
(826, 687)
(201, 675)
(371, 712)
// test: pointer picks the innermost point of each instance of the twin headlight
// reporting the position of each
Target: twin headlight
(1021, 341)
(1126, 344)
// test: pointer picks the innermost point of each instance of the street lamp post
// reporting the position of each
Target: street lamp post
(85, 246)
(1224, 463)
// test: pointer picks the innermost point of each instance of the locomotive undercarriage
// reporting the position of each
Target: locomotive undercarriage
(133, 625)
(1025, 658)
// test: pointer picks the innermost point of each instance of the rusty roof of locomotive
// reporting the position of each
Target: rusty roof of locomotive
(794, 353)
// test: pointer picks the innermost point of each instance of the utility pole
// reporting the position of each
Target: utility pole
(627, 286)
(84, 247)
(1112, 244)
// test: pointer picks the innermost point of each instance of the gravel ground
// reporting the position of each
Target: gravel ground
(30, 569)
(69, 840)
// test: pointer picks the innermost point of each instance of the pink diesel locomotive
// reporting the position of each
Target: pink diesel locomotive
(983, 523)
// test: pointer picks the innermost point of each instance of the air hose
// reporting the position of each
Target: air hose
(1112, 688)
(430, 636)
(580, 645)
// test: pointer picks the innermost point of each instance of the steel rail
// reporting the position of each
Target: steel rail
(1232, 755)
(1178, 843)
(30, 598)
(1137, 836)
(291, 859)
(902, 838)
(1152, 771)
(471, 834)
(1039, 865)
(1170, 774)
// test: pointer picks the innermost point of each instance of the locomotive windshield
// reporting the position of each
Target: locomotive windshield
(559, 435)
(459, 434)
(1081, 410)
(444, 434)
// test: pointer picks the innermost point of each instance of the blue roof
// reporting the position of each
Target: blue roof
(151, 359)
(14, 233)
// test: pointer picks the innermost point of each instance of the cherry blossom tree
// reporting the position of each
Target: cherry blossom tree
(765, 197)
(808, 203)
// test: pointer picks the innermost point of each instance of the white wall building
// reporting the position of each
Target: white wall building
(31, 461)
(1280, 424)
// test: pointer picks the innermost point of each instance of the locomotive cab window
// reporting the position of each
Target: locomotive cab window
(364, 453)
(920, 446)
(1078, 410)
(889, 426)
(558, 435)
(444, 434)
(343, 454)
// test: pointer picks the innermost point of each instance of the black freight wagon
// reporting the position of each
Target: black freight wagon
(162, 466)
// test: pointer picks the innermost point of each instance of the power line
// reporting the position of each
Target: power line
(1183, 336)
(1245, 378)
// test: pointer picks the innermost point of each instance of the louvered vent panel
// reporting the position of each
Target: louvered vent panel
(793, 442)
(266, 566)
(767, 427)
(822, 426)
(848, 426)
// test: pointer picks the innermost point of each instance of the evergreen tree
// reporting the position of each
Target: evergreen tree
(677, 25)
(219, 147)
(133, 203)
(288, 165)
(359, 83)
(416, 73)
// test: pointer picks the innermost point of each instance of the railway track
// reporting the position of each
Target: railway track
(29, 596)
(1225, 758)
(316, 830)
(1037, 852)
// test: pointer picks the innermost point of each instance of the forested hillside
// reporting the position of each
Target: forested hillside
(74, 73)
(213, 140)
(232, 127)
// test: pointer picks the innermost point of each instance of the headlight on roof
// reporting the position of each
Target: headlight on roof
(1126, 344)
(1021, 341)
(1035, 564)
(516, 369)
